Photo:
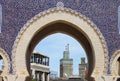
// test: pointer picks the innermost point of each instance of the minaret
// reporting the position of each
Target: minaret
(83, 68)
(66, 52)
(66, 64)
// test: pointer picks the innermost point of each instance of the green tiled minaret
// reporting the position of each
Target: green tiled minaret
(66, 64)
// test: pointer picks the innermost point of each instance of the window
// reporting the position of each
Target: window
(0, 17)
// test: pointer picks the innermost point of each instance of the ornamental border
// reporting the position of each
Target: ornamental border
(64, 10)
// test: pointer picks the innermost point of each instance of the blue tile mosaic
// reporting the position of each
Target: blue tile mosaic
(103, 13)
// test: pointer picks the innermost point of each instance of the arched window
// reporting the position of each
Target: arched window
(119, 19)
(0, 17)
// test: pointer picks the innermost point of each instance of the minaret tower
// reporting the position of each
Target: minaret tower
(66, 52)
(66, 64)
(83, 68)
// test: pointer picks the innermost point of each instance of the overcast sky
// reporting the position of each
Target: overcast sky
(54, 45)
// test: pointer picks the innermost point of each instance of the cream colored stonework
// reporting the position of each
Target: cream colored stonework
(114, 63)
(64, 15)
(108, 78)
(10, 77)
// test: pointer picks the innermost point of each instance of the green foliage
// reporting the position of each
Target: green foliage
(33, 80)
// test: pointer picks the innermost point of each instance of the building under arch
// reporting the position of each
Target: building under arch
(39, 67)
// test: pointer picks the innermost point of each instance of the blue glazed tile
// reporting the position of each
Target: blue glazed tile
(102, 13)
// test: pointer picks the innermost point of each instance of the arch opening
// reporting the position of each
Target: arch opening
(115, 63)
(4, 64)
(118, 63)
(52, 46)
(1, 67)
(59, 27)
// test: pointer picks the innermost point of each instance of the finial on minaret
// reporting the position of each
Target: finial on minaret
(67, 47)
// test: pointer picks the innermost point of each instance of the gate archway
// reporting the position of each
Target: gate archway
(6, 60)
(66, 21)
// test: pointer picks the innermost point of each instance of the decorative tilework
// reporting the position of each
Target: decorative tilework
(119, 19)
(60, 4)
(0, 17)
(103, 13)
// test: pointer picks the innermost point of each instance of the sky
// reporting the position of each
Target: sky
(1, 63)
(54, 45)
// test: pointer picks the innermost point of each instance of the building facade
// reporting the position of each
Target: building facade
(93, 23)
(66, 64)
(40, 67)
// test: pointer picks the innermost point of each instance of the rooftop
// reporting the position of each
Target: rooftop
(39, 54)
